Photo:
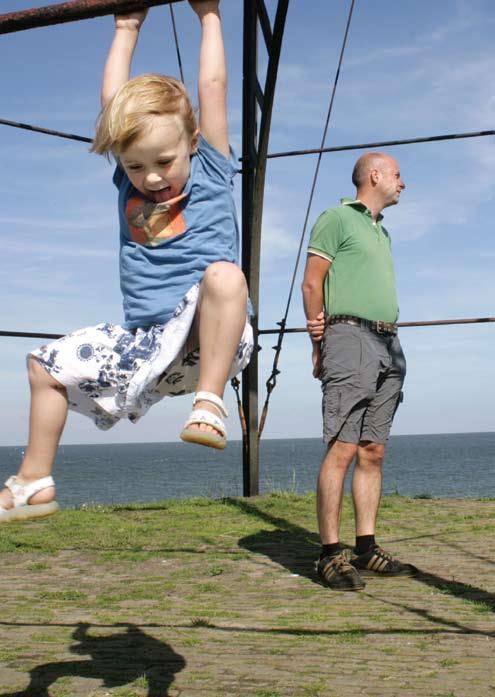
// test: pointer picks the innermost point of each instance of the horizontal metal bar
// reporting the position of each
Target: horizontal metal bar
(70, 12)
(289, 153)
(290, 330)
(426, 323)
(382, 144)
(48, 131)
(31, 335)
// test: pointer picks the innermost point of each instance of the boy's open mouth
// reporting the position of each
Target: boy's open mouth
(160, 196)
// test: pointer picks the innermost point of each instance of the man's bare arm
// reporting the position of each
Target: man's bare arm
(312, 288)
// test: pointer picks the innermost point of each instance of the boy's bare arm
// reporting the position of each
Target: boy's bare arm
(118, 63)
(212, 79)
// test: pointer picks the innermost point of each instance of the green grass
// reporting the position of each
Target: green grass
(353, 636)
(449, 662)
(61, 596)
(38, 566)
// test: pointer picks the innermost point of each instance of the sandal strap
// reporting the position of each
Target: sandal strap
(21, 493)
(213, 399)
(201, 416)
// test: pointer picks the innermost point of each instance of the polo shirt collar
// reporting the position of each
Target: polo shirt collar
(359, 206)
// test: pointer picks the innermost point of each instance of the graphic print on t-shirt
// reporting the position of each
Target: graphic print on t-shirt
(151, 223)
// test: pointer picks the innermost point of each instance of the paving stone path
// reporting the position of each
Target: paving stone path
(219, 598)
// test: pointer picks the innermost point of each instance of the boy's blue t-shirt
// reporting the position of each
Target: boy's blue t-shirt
(165, 248)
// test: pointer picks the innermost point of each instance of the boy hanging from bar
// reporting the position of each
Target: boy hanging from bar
(185, 323)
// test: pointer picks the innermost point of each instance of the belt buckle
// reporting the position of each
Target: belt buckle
(380, 326)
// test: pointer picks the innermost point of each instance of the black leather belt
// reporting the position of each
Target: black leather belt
(377, 326)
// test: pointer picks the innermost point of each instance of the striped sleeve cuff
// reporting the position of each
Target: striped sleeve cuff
(319, 253)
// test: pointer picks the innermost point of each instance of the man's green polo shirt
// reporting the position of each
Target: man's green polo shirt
(361, 279)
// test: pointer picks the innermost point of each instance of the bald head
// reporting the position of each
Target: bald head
(366, 164)
(377, 179)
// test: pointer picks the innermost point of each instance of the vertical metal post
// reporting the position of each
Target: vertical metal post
(250, 446)
(254, 151)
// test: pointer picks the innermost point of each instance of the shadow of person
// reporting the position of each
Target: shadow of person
(116, 660)
(297, 548)
(289, 545)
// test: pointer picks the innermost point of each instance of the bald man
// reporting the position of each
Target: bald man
(351, 307)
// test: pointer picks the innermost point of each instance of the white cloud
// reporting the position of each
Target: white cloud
(415, 219)
(279, 236)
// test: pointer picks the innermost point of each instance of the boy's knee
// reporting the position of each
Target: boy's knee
(225, 277)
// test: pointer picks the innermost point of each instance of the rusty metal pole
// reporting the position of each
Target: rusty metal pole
(70, 12)
(255, 149)
(250, 455)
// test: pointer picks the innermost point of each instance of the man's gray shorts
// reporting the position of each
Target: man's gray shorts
(362, 376)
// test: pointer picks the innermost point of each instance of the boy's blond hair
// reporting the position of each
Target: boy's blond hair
(127, 115)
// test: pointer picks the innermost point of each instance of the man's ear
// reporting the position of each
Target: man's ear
(374, 175)
(194, 141)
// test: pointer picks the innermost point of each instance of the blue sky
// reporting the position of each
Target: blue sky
(412, 68)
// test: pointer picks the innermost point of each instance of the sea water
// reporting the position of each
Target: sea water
(444, 465)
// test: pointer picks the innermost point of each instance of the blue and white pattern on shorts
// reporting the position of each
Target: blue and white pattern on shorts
(112, 373)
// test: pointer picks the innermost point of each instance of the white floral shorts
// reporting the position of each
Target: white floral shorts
(112, 373)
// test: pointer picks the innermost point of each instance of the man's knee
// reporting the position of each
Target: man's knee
(341, 454)
(224, 278)
(371, 454)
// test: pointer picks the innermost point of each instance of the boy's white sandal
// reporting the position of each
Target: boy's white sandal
(21, 493)
(201, 416)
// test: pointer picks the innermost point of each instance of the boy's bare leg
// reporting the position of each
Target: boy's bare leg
(46, 421)
(220, 322)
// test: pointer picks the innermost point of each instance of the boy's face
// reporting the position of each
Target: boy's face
(158, 162)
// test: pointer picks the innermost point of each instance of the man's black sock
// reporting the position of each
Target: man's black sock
(330, 550)
(364, 543)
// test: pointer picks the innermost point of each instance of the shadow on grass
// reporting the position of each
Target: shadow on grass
(448, 627)
(483, 600)
(447, 539)
(116, 660)
(290, 545)
(296, 548)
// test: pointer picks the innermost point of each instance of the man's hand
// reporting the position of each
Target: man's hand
(316, 327)
(131, 20)
(316, 359)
